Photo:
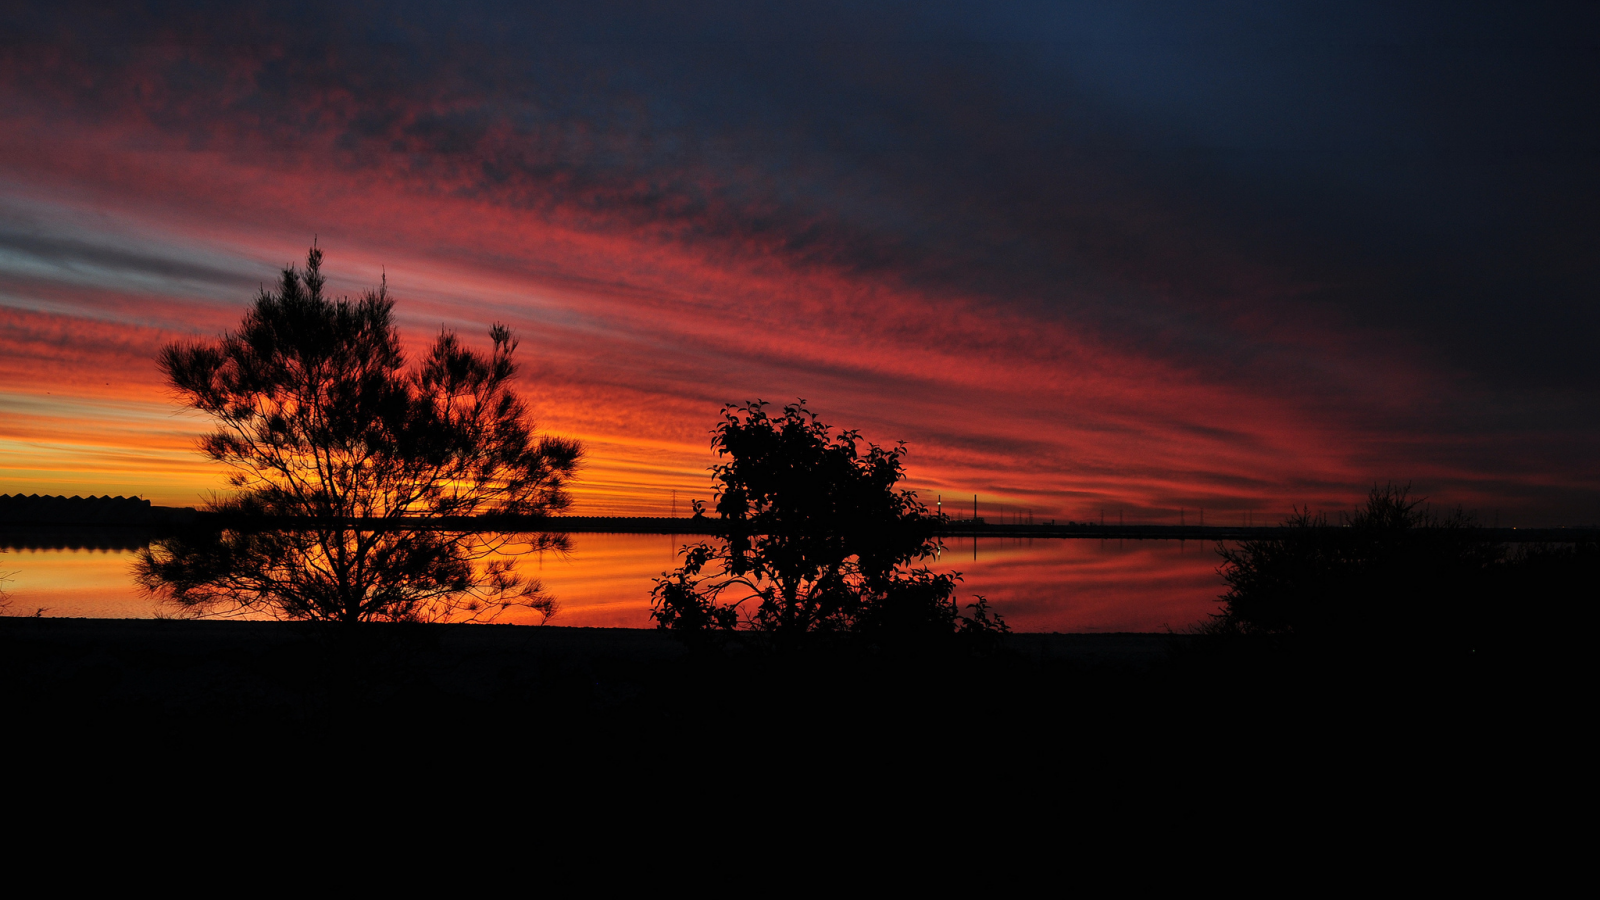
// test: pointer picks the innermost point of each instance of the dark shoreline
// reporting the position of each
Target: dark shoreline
(161, 680)
(1119, 646)
(56, 535)
(140, 675)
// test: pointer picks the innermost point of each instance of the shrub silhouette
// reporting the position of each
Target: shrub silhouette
(818, 538)
(1391, 569)
(342, 456)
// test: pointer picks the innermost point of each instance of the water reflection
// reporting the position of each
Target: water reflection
(1037, 584)
(1080, 585)
(93, 583)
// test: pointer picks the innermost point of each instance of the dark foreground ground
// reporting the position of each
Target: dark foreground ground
(1195, 702)
(1028, 748)
(301, 675)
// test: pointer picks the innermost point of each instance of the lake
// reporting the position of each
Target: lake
(1037, 584)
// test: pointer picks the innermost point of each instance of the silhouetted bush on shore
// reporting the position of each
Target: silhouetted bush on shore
(1397, 578)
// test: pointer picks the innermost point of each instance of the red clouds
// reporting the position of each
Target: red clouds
(1046, 328)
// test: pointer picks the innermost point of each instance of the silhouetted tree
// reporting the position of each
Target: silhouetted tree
(818, 537)
(1391, 568)
(342, 456)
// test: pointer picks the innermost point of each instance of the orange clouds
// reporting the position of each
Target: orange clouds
(1043, 361)
(631, 344)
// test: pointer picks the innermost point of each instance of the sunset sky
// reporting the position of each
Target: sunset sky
(1135, 257)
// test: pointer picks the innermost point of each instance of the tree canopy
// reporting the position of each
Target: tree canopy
(818, 536)
(345, 458)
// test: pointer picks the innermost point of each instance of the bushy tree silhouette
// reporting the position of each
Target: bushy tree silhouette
(1391, 568)
(818, 537)
(345, 460)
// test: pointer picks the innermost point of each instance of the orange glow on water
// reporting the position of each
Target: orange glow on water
(74, 583)
(1040, 585)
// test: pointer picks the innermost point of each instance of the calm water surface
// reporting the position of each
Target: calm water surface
(1038, 585)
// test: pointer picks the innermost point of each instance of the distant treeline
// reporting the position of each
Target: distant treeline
(19, 509)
